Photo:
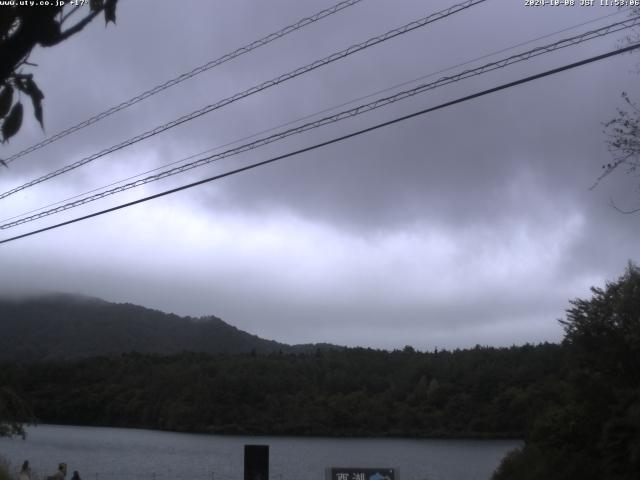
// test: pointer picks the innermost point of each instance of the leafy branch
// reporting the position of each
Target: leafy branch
(23, 28)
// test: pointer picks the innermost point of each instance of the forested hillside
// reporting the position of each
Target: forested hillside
(481, 392)
(577, 404)
(66, 327)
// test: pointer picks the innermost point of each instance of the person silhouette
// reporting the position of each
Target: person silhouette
(61, 473)
(25, 471)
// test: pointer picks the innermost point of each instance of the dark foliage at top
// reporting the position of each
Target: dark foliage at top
(22, 28)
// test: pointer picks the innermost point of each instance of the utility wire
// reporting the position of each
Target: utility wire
(185, 76)
(315, 114)
(336, 139)
(381, 102)
(258, 88)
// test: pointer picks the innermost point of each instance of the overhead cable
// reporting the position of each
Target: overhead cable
(334, 140)
(258, 88)
(315, 114)
(381, 102)
(185, 76)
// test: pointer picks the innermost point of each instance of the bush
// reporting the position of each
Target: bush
(5, 471)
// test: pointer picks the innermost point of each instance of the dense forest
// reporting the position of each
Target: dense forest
(480, 392)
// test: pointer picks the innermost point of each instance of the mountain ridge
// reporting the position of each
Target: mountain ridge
(67, 326)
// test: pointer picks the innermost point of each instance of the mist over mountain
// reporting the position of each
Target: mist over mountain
(64, 326)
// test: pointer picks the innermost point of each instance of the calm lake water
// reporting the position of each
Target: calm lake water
(128, 454)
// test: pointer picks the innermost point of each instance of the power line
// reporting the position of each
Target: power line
(185, 76)
(336, 139)
(320, 112)
(258, 88)
(381, 102)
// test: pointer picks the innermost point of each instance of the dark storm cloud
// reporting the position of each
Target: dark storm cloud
(470, 225)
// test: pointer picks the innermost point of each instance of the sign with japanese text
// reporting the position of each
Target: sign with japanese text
(362, 474)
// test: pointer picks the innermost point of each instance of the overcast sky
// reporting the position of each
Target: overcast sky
(470, 225)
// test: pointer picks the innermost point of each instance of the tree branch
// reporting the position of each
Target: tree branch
(34, 26)
(619, 210)
(610, 168)
(68, 14)
(78, 26)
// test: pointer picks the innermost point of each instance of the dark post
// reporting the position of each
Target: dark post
(256, 462)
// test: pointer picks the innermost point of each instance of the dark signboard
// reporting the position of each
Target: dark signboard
(362, 474)
(256, 462)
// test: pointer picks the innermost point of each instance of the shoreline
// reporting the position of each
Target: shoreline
(284, 435)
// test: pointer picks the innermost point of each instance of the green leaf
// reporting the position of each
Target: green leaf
(6, 99)
(110, 11)
(28, 86)
(96, 5)
(12, 123)
(7, 20)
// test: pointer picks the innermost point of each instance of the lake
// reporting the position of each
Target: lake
(130, 454)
